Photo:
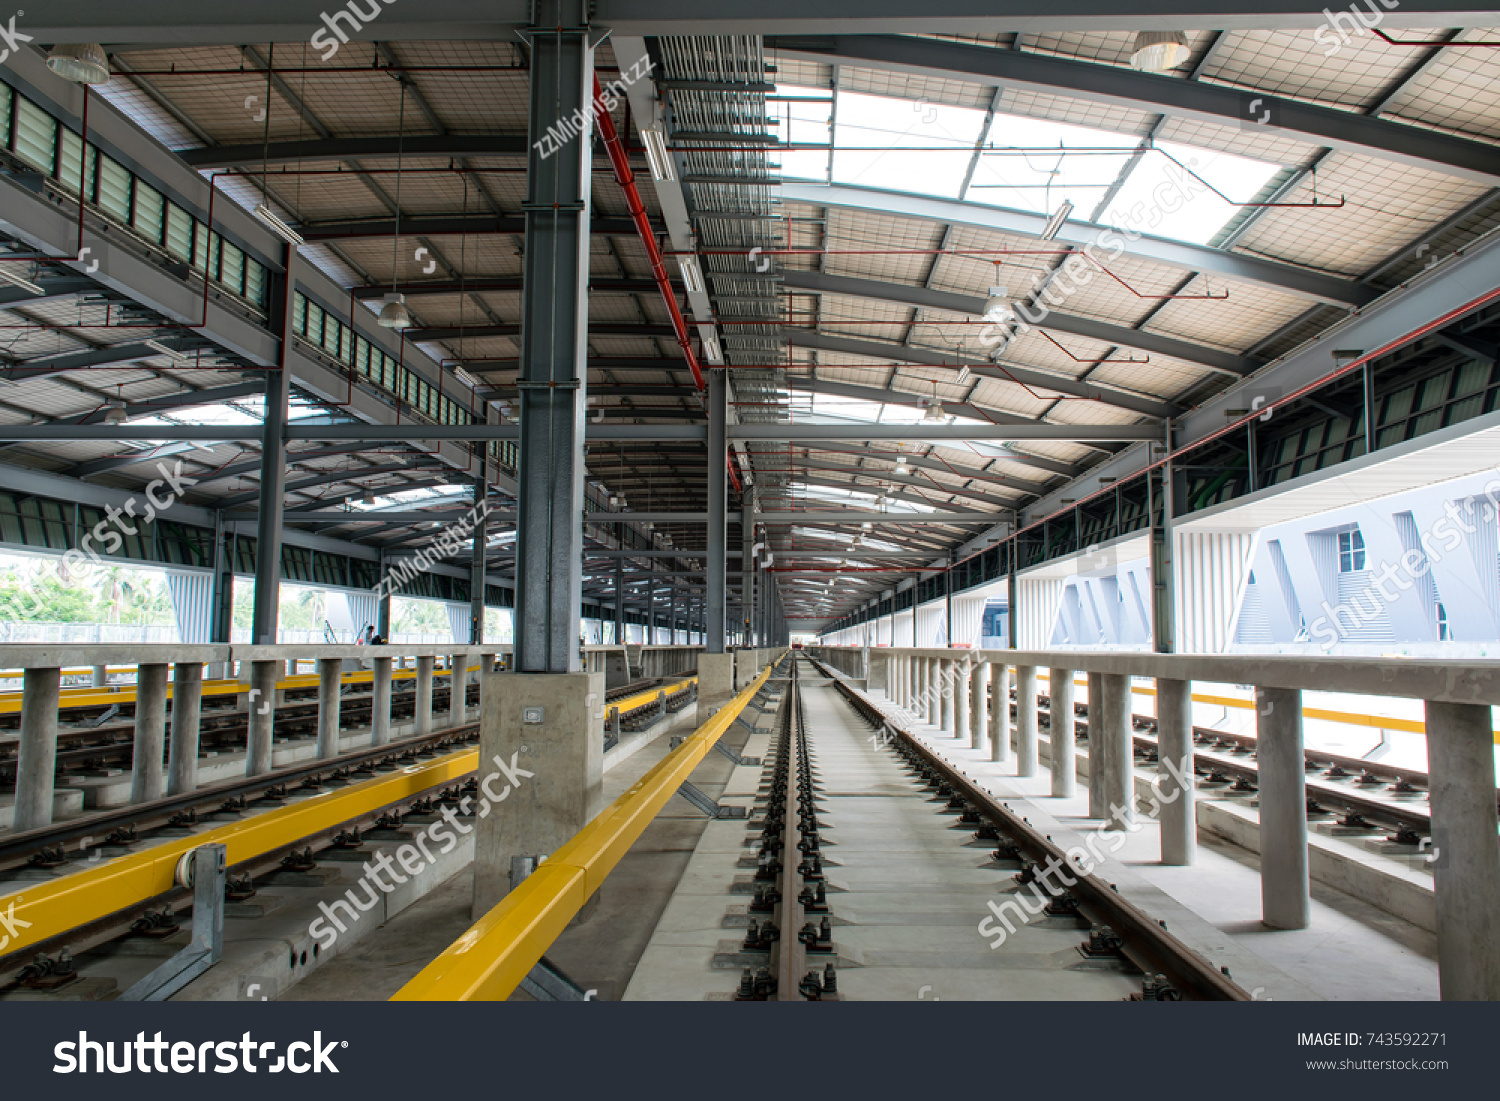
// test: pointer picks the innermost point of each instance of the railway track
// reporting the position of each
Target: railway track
(84, 842)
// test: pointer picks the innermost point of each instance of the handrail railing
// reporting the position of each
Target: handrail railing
(489, 961)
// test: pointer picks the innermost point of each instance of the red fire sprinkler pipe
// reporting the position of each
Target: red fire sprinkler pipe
(620, 160)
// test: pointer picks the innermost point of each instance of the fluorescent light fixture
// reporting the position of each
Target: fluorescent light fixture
(1159, 51)
(394, 314)
(464, 377)
(997, 305)
(963, 375)
(1055, 223)
(80, 62)
(15, 280)
(161, 349)
(277, 226)
(692, 275)
(711, 349)
(657, 157)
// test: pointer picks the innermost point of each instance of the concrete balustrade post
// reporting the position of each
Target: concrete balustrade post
(187, 709)
(1000, 712)
(979, 694)
(1119, 754)
(1465, 855)
(1062, 740)
(946, 686)
(1098, 751)
(1285, 901)
(146, 780)
(1026, 721)
(1174, 750)
(101, 676)
(36, 766)
(458, 689)
(330, 684)
(423, 715)
(262, 703)
(380, 706)
(958, 690)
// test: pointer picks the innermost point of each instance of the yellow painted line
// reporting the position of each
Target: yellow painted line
(641, 699)
(126, 882)
(489, 961)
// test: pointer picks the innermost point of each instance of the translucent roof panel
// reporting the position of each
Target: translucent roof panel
(806, 116)
(1167, 200)
(1034, 164)
(905, 145)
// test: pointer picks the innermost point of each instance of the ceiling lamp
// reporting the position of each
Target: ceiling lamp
(1159, 51)
(1055, 223)
(902, 467)
(997, 305)
(935, 413)
(114, 411)
(278, 226)
(394, 314)
(81, 62)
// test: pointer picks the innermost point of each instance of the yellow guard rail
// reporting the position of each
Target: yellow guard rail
(489, 961)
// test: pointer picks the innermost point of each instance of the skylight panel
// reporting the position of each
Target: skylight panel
(1164, 200)
(919, 147)
(1035, 164)
(805, 115)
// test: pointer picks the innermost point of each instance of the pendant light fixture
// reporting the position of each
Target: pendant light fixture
(394, 314)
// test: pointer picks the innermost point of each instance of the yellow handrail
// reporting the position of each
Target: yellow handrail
(51, 908)
(489, 961)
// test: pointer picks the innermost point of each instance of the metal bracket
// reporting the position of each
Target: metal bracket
(740, 719)
(714, 810)
(547, 983)
(735, 757)
(203, 869)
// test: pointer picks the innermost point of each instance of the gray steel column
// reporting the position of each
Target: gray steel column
(619, 602)
(268, 526)
(36, 768)
(1061, 738)
(1163, 555)
(101, 676)
(1174, 749)
(1285, 902)
(1098, 750)
(480, 546)
(187, 705)
(261, 741)
(380, 713)
(1026, 721)
(747, 566)
(718, 495)
(1465, 856)
(330, 683)
(1119, 756)
(150, 733)
(553, 375)
(423, 716)
(383, 605)
(1000, 713)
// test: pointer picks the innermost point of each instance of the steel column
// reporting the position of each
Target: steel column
(554, 344)
(718, 493)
